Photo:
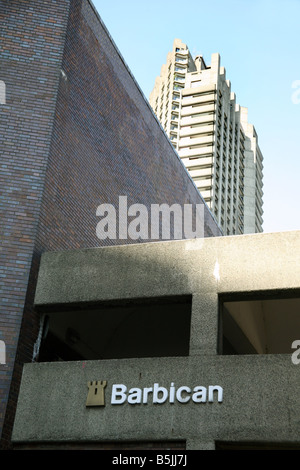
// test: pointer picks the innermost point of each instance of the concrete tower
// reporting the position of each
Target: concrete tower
(212, 136)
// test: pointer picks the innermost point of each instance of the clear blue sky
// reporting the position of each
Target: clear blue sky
(259, 44)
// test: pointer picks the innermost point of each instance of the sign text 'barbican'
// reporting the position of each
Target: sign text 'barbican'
(157, 394)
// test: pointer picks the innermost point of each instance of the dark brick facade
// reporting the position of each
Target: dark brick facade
(32, 37)
(75, 132)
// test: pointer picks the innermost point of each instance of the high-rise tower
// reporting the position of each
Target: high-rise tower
(212, 136)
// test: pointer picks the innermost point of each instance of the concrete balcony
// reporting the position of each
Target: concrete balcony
(179, 79)
(206, 194)
(192, 131)
(190, 152)
(180, 70)
(203, 173)
(191, 120)
(189, 110)
(207, 98)
(252, 278)
(190, 163)
(181, 61)
(52, 405)
(201, 140)
(201, 89)
(200, 180)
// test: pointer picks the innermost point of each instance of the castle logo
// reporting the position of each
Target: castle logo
(96, 394)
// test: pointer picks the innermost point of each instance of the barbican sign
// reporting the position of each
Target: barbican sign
(157, 394)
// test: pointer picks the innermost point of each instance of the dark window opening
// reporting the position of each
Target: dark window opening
(113, 331)
(257, 445)
(127, 446)
(259, 324)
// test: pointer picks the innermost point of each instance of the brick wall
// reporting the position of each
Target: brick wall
(32, 39)
(106, 142)
(76, 132)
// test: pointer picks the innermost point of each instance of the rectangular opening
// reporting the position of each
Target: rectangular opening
(148, 328)
(256, 445)
(127, 446)
(259, 324)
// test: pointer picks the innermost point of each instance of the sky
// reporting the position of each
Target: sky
(259, 45)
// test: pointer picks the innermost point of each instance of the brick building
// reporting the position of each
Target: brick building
(75, 132)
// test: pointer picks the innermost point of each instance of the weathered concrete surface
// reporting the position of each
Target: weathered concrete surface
(204, 268)
(244, 263)
(261, 400)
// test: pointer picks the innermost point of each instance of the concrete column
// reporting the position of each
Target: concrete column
(204, 324)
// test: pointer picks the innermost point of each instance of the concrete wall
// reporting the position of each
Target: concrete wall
(260, 400)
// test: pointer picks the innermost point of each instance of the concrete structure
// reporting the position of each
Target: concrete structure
(211, 134)
(230, 305)
(76, 132)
